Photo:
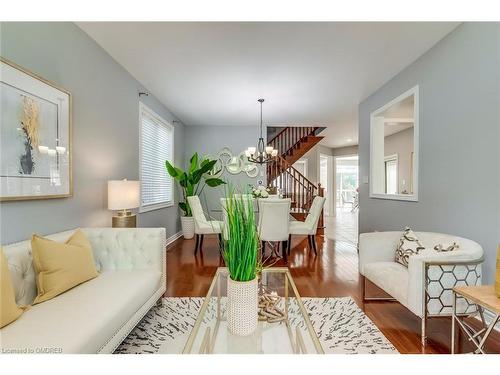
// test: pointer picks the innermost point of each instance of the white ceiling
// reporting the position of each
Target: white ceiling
(309, 73)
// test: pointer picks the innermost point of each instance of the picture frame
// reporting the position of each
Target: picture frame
(35, 136)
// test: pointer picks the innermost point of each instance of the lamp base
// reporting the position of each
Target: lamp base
(124, 221)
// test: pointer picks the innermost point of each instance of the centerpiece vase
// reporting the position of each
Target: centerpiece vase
(243, 304)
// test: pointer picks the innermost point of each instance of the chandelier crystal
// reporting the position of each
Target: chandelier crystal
(261, 154)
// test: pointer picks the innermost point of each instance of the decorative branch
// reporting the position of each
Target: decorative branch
(29, 120)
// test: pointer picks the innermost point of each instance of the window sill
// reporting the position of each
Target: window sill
(155, 207)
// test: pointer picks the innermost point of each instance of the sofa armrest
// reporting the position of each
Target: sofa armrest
(377, 247)
(437, 273)
(128, 248)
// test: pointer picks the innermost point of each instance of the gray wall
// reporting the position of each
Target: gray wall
(210, 140)
(345, 151)
(459, 182)
(401, 143)
(312, 157)
(105, 129)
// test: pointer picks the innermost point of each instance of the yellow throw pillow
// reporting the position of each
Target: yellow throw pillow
(9, 311)
(61, 266)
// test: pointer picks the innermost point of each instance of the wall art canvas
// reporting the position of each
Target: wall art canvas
(35, 136)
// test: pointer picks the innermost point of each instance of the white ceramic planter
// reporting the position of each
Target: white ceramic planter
(187, 224)
(243, 304)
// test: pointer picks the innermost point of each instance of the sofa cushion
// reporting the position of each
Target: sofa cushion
(392, 277)
(84, 318)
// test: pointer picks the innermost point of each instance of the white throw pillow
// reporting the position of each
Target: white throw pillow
(408, 245)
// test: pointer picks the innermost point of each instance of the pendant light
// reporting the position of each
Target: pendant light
(261, 154)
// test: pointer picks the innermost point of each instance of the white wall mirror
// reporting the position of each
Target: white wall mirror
(394, 148)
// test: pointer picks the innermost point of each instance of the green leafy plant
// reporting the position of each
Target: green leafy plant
(190, 180)
(240, 250)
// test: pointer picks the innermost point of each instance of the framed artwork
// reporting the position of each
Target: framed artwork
(35, 136)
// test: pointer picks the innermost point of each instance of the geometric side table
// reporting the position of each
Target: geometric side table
(484, 298)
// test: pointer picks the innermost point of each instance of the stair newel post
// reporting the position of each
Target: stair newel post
(281, 178)
(321, 226)
(295, 186)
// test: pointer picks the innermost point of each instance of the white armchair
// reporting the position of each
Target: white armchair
(425, 287)
(309, 226)
(202, 226)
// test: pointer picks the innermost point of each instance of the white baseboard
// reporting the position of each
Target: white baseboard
(174, 237)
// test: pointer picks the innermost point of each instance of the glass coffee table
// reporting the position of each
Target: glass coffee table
(294, 334)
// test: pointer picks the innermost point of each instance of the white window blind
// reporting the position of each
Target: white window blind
(157, 137)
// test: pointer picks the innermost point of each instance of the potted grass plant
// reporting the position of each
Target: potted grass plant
(240, 252)
(192, 182)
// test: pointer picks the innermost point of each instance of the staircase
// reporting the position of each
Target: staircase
(293, 143)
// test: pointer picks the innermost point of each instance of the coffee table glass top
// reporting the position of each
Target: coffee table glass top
(294, 334)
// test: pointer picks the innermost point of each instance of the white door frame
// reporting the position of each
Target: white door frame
(334, 200)
(330, 175)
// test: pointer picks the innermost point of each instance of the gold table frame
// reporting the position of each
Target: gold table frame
(210, 335)
(484, 298)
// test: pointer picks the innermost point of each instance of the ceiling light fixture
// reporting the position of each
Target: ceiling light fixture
(261, 154)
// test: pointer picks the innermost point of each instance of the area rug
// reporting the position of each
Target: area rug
(340, 324)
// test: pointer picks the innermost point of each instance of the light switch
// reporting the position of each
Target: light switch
(365, 179)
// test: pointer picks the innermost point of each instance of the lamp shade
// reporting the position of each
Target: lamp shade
(123, 194)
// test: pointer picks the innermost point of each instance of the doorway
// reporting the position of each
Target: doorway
(326, 181)
(347, 183)
(343, 225)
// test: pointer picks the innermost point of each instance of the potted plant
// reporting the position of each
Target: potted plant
(198, 175)
(240, 252)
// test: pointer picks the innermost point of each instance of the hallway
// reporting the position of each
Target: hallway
(343, 227)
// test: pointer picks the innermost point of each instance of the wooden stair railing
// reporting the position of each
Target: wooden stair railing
(292, 184)
(289, 138)
(281, 174)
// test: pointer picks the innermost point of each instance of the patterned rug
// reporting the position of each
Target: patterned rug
(341, 326)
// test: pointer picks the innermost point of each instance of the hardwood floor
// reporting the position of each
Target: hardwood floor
(333, 273)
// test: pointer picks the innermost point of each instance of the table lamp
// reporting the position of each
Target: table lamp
(123, 195)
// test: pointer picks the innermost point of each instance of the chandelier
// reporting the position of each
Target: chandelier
(261, 154)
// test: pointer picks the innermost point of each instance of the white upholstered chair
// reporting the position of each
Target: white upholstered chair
(310, 225)
(202, 226)
(425, 286)
(273, 223)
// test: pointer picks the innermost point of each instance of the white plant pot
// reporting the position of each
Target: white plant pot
(187, 224)
(243, 304)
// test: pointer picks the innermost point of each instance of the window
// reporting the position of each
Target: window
(156, 146)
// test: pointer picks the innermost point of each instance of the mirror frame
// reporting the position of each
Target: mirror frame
(400, 197)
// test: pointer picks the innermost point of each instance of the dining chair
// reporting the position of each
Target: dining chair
(273, 223)
(309, 226)
(202, 226)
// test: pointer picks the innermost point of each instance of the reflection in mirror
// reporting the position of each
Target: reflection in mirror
(394, 148)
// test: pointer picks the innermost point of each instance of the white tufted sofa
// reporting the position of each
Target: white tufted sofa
(96, 316)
